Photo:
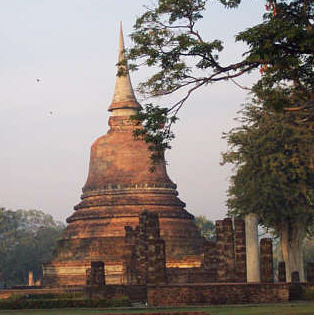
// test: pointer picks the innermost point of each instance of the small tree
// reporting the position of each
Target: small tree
(274, 176)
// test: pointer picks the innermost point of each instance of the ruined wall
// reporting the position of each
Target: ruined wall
(310, 272)
(189, 275)
(230, 250)
(266, 254)
(146, 256)
(281, 271)
(189, 294)
(240, 250)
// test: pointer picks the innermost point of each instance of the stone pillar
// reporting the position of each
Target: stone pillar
(156, 269)
(295, 288)
(252, 252)
(229, 250)
(30, 278)
(310, 272)
(147, 263)
(130, 255)
(267, 272)
(281, 271)
(97, 274)
(210, 260)
(221, 269)
(240, 250)
(295, 278)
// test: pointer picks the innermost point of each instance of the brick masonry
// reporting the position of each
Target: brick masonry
(146, 256)
(174, 295)
(240, 250)
(310, 272)
(221, 270)
(281, 271)
(230, 251)
(266, 250)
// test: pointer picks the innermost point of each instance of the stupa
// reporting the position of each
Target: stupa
(119, 187)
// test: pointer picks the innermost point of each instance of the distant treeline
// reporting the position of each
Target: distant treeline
(27, 239)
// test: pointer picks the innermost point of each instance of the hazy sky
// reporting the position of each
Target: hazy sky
(47, 127)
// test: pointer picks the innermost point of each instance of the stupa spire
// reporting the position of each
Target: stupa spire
(123, 97)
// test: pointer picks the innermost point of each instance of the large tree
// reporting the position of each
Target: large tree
(27, 239)
(168, 40)
(274, 176)
(273, 148)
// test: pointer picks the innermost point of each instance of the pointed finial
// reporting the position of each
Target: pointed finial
(123, 96)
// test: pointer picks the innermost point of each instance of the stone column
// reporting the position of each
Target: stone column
(156, 273)
(150, 251)
(130, 255)
(229, 249)
(267, 272)
(221, 268)
(30, 278)
(240, 250)
(252, 251)
(281, 271)
(310, 272)
(210, 260)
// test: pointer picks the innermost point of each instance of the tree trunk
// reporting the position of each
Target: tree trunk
(291, 239)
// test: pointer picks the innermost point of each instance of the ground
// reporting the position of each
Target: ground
(302, 308)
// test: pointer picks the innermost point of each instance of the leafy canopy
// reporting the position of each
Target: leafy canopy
(166, 38)
(273, 158)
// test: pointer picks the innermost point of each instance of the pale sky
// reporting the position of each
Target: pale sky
(47, 127)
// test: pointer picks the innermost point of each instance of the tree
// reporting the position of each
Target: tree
(166, 38)
(206, 227)
(274, 176)
(27, 239)
(272, 151)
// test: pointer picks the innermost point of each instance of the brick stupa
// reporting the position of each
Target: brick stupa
(119, 187)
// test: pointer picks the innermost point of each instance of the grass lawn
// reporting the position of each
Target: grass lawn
(306, 308)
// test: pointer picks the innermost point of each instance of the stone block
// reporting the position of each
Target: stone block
(310, 272)
(281, 271)
(266, 256)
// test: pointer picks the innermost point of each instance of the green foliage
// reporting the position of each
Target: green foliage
(272, 154)
(27, 239)
(284, 44)
(154, 120)
(166, 38)
(206, 227)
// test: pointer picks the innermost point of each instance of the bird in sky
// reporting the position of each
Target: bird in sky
(38, 80)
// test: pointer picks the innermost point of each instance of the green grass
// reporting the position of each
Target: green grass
(304, 308)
